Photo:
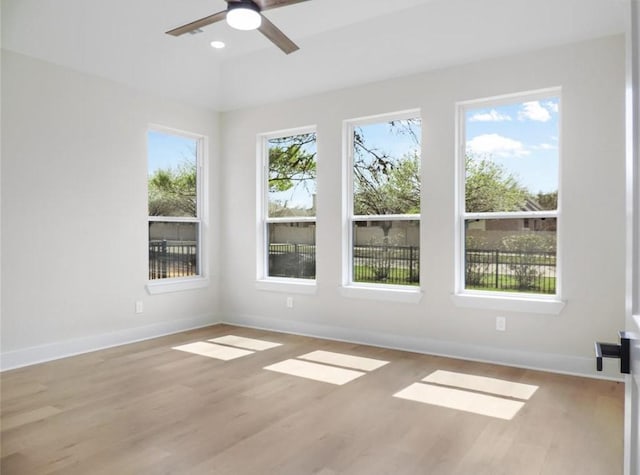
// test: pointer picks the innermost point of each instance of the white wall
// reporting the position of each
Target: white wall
(74, 165)
(591, 75)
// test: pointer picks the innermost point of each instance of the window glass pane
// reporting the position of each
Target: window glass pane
(517, 255)
(386, 168)
(173, 250)
(292, 175)
(172, 174)
(292, 250)
(512, 157)
(386, 252)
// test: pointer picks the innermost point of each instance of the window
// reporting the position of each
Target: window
(508, 206)
(383, 216)
(175, 161)
(288, 244)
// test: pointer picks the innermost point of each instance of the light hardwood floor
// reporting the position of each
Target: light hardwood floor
(147, 409)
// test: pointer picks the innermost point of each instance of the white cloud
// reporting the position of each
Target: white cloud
(552, 106)
(491, 116)
(545, 146)
(494, 144)
(534, 111)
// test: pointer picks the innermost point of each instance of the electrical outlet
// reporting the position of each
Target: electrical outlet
(289, 302)
(501, 324)
(139, 306)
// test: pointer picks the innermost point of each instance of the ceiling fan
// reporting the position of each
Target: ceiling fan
(246, 15)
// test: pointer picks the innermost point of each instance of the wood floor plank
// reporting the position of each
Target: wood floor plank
(11, 421)
(147, 409)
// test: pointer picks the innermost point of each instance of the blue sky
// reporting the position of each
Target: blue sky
(166, 151)
(385, 138)
(522, 137)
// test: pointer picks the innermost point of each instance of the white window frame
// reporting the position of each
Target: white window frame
(507, 301)
(263, 280)
(370, 290)
(201, 280)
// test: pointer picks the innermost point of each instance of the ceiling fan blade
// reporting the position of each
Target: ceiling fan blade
(194, 25)
(276, 36)
(270, 4)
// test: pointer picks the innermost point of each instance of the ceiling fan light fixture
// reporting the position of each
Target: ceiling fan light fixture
(244, 15)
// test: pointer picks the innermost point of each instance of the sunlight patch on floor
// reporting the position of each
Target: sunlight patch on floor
(317, 372)
(341, 359)
(212, 350)
(461, 400)
(246, 343)
(483, 384)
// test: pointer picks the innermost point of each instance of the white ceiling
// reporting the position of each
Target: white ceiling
(342, 42)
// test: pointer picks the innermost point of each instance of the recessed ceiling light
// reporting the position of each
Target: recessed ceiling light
(217, 44)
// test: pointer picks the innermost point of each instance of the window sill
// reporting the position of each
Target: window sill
(386, 294)
(520, 303)
(176, 285)
(291, 286)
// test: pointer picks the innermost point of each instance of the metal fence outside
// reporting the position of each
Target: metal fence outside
(528, 271)
(398, 265)
(169, 259)
(524, 271)
(292, 260)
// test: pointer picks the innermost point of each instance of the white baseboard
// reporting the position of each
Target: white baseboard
(53, 351)
(562, 364)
